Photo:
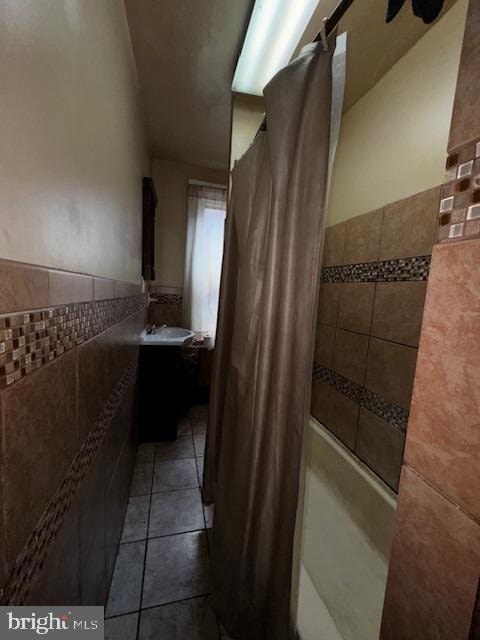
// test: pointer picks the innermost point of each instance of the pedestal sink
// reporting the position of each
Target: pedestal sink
(167, 336)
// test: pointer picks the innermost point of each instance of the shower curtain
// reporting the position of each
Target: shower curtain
(262, 367)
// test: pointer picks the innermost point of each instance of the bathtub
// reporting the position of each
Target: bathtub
(345, 529)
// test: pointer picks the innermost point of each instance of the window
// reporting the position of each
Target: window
(203, 257)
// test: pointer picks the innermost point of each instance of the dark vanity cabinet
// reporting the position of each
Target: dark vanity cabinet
(160, 392)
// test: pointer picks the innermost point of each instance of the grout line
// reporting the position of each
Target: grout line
(441, 492)
(166, 535)
(157, 606)
(146, 542)
(174, 459)
(368, 335)
(165, 490)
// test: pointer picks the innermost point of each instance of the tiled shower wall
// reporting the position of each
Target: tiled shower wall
(166, 305)
(433, 589)
(68, 362)
(372, 296)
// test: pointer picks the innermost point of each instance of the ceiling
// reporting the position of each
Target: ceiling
(373, 46)
(186, 54)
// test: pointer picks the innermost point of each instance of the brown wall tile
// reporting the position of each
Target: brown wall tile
(398, 311)
(117, 434)
(93, 575)
(466, 116)
(91, 383)
(22, 287)
(355, 306)
(3, 538)
(475, 627)
(444, 429)
(170, 314)
(409, 226)
(334, 243)
(390, 371)
(324, 343)
(118, 344)
(116, 504)
(59, 580)
(350, 355)
(66, 288)
(319, 401)
(92, 504)
(39, 444)
(380, 446)
(434, 567)
(328, 304)
(123, 289)
(342, 417)
(103, 288)
(362, 238)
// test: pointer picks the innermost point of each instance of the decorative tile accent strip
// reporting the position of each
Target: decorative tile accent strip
(459, 212)
(167, 298)
(400, 270)
(396, 416)
(30, 561)
(166, 295)
(30, 340)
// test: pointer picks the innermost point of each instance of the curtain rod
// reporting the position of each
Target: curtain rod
(329, 25)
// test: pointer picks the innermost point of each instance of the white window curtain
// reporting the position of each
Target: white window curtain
(203, 257)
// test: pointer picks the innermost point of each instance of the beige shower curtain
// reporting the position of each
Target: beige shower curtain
(262, 369)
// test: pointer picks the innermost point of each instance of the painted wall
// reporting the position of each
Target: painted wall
(171, 182)
(392, 142)
(247, 115)
(72, 148)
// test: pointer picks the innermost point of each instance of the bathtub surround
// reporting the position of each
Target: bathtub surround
(433, 582)
(347, 533)
(68, 386)
(372, 293)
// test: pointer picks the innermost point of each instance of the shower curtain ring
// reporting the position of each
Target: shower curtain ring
(323, 34)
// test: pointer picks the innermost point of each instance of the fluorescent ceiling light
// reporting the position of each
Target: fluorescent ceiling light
(275, 29)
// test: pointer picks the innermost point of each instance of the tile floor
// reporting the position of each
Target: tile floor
(160, 584)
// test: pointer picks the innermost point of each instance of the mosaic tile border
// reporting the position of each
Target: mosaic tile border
(391, 413)
(31, 339)
(161, 294)
(459, 211)
(30, 561)
(167, 298)
(400, 270)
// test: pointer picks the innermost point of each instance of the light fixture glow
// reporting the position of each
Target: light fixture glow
(275, 29)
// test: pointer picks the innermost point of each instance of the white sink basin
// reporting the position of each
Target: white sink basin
(173, 336)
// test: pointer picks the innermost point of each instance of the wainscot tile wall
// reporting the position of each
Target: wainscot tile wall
(372, 295)
(68, 363)
(165, 305)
